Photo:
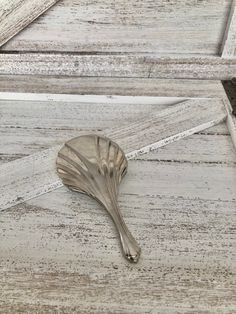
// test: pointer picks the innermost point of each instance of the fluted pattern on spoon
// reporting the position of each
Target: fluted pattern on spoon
(95, 165)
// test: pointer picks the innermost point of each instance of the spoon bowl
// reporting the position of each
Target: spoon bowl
(95, 165)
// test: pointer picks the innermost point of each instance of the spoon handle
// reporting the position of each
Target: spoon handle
(129, 245)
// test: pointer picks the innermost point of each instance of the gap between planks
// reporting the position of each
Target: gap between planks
(34, 175)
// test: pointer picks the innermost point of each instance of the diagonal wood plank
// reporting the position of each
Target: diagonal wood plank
(132, 26)
(183, 220)
(229, 41)
(231, 121)
(34, 175)
(27, 127)
(16, 15)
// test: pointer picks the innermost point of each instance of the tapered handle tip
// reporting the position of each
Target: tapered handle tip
(134, 257)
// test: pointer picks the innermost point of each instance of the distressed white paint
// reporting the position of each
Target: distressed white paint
(30, 126)
(229, 41)
(137, 26)
(113, 65)
(96, 99)
(197, 148)
(17, 14)
(132, 39)
(34, 175)
(59, 252)
(111, 86)
(230, 121)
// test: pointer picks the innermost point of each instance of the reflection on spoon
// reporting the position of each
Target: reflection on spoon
(95, 165)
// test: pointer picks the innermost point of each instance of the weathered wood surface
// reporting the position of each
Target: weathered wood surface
(229, 41)
(59, 252)
(20, 136)
(231, 121)
(130, 65)
(28, 138)
(22, 133)
(34, 175)
(15, 15)
(207, 151)
(130, 39)
(137, 26)
(111, 86)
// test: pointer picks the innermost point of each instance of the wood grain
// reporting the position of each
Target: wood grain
(23, 133)
(14, 146)
(231, 121)
(229, 41)
(34, 175)
(137, 26)
(59, 252)
(111, 86)
(16, 15)
(130, 65)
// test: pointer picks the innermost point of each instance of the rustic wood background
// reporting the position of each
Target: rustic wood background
(158, 39)
(190, 27)
(59, 252)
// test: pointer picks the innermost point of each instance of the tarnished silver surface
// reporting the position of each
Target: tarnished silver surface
(95, 165)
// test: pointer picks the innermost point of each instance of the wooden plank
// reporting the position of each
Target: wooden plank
(18, 143)
(130, 65)
(164, 27)
(111, 86)
(63, 116)
(229, 41)
(34, 175)
(23, 133)
(16, 15)
(230, 121)
(187, 248)
(198, 148)
(67, 244)
(76, 111)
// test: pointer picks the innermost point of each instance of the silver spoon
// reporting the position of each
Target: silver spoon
(95, 165)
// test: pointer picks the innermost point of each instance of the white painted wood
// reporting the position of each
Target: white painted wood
(137, 26)
(230, 121)
(78, 112)
(17, 14)
(229, 41)
(59, 252)
(198, 148)
(22, 132)
(34, 175)
(111, 86)
(96, 99)
(129, 65)
(20, 142)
